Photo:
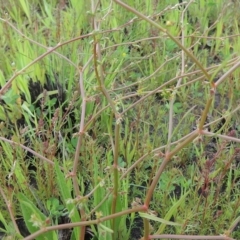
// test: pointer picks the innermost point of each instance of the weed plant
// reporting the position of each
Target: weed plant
(119, 120)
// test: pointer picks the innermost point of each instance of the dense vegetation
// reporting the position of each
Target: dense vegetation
(119, 121)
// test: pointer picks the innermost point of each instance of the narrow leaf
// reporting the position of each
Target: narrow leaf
(171, 212)
(161, 220)
(33, 217)
(105, 228)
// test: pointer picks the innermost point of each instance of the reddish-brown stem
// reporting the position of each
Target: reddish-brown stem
(171, 236)
(115, 175)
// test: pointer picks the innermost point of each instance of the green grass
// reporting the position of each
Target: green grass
(99, 107)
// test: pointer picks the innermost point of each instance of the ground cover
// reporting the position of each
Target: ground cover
(119, 120)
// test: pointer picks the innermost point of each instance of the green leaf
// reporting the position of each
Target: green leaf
(26, 108)
(10, 97)
(106, 229)
(171, 211)
(34, 218)
(25, 7)
(161, 220)
(2, 114)
(49, 93)
(22, 85)
(17, 170)
(2, 219)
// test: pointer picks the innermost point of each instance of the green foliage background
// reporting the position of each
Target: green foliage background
(136, 59)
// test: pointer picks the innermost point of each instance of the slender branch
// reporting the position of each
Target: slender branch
(29, 150)
(225, 75)
(77, 152)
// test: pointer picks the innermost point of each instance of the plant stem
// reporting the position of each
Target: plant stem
(77, 153)
(116, 178)
(171, 236)
(146, 229)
